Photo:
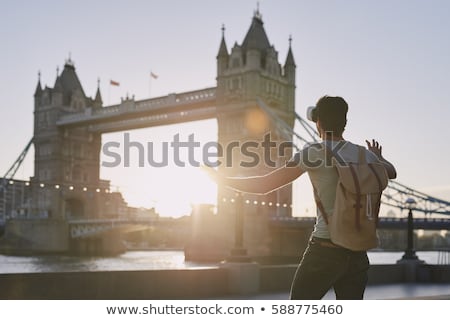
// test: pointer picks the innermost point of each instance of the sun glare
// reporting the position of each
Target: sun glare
(171, 181)
(190, 186)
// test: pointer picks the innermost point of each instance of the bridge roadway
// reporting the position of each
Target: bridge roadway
(89, 227)
(83, 228)
(131, 114)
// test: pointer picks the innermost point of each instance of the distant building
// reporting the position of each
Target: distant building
(142, 213)
(14, 198)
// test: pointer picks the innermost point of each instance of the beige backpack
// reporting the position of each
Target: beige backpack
(354, 220)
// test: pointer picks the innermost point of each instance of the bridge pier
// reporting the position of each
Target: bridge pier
(35, 236)
(97, 246)
(85, 246)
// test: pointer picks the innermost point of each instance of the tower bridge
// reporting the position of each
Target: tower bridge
(254, 95)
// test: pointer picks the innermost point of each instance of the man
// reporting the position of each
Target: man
(324, 265)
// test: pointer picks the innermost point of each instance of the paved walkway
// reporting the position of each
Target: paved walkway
(375, 292)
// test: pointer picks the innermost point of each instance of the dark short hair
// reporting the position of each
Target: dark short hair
(332, 114)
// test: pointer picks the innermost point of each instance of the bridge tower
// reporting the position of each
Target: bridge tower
(66, 174)
(251, 71)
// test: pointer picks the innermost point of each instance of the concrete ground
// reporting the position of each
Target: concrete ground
(373, 292)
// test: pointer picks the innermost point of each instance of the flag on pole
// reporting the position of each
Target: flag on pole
(114, 83)
(154, 76)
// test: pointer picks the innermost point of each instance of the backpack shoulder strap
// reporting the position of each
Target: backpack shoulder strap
(362, 155)
(330, 155)
(357, 204)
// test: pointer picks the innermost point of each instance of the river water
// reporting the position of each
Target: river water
(145, 260)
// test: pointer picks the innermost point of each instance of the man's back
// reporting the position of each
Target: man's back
(324, 176)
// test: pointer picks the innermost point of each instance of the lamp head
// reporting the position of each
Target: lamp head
(410, 203)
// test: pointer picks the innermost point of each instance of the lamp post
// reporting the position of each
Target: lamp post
(410, 253)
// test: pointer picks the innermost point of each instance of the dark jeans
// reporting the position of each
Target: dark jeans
(324, 267)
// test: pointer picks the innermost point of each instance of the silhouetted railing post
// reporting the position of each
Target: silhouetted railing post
(239, 253)
(243, 274)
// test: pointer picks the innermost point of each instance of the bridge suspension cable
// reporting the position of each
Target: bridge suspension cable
(9, 175)
(395, 195)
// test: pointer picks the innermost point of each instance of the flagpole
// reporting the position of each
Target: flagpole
(154, 76)
(111, 83)
(109, 93)
(150, 84)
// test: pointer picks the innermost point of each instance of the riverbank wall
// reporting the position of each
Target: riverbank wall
(204, 283)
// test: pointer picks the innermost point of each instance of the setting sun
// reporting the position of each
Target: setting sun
(173, 186)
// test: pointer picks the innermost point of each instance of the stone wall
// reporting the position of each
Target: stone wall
(207, 283)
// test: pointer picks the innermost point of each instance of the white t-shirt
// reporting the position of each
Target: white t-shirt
(324, 176)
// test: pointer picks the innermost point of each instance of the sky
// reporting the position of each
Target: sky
(388, 59)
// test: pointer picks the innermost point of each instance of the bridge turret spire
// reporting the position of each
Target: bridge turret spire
(290, 57)
(68, 79)
(38, 91)
(257, 14)
(256, 37)
(222, 56)
(98, 101)
(223, 51)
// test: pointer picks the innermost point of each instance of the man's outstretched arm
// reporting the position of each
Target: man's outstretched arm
(260, 184)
